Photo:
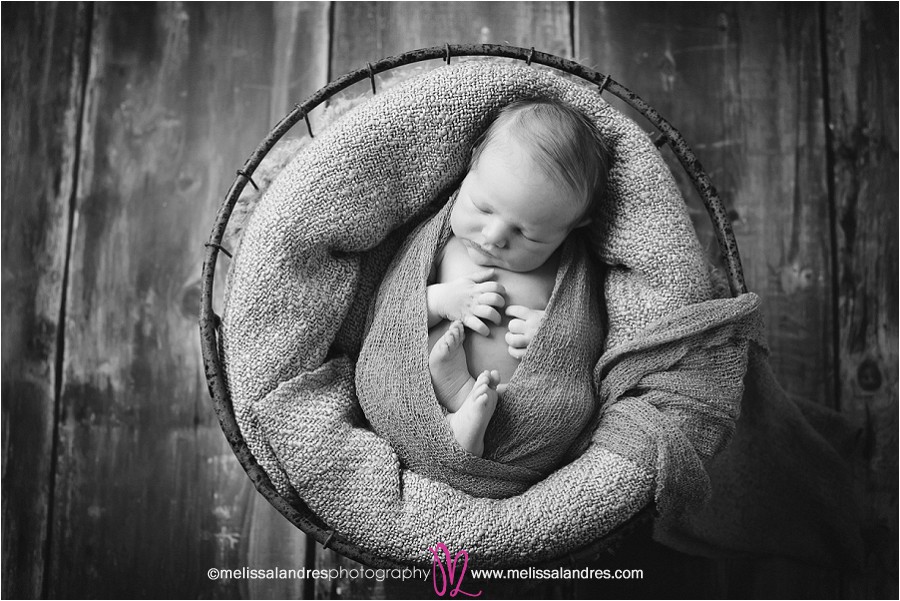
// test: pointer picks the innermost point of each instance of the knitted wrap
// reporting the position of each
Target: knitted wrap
(548, 402)
(310, 262)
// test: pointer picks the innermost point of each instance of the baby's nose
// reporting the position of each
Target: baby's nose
(495, 233)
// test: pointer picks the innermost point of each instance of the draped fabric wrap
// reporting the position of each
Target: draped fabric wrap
(546, 406)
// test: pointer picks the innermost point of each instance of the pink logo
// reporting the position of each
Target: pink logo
(447, 571)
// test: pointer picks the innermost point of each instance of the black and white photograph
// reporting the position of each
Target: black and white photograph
(424, 300)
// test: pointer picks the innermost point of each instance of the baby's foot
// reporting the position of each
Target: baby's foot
(471, 420)
(449, 372)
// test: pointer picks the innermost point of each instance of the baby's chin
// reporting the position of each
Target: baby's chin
(483, 260)
(479, 259)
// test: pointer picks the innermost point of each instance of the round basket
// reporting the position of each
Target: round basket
(291, 506)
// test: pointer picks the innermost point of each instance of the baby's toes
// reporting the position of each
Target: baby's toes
(454, 336)
(478, 395)
(484, 379)
(482, 398)
(484, 394)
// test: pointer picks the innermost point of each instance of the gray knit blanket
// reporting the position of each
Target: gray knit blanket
(317, 248)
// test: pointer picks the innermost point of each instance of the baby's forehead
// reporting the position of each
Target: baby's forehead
(515, 153)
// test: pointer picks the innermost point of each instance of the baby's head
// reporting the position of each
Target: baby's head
(537, 173)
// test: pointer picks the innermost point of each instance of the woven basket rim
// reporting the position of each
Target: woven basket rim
(291, 506)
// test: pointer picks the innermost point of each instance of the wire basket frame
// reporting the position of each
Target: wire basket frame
(291, 506)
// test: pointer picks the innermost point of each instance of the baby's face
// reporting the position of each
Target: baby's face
(509, 214)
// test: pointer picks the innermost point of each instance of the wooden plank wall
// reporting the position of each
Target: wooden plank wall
(43, 72)
(123, 124)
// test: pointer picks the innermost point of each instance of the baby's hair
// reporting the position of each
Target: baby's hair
(564, 143)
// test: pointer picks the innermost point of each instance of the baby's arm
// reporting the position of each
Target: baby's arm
(470, 299)
(522, 327)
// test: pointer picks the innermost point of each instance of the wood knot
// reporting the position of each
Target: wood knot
(189, 304)
(868, 375)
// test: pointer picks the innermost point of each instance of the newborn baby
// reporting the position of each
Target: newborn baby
(536, 175)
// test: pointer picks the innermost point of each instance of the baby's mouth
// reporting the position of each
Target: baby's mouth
(482, 251)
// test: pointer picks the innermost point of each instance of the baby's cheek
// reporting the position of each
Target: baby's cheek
(539, 256)
(460, 226)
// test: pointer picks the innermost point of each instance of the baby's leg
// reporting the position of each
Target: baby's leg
(449, 372)
(471, 420)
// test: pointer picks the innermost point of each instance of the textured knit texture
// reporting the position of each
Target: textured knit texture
(546, 406)
(310, 262)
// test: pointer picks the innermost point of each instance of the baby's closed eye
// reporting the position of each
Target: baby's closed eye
(481, 209)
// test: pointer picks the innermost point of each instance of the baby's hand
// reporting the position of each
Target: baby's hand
(522, 327)
(471, 299)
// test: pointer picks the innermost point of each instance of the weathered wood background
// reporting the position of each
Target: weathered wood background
(123, 125)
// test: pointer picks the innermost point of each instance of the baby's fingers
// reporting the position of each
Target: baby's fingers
(476, 325)
(516, 326)
(487, 312)
(491, 288)
(519, 311)
(516, 340)
(491, 298)
(517, 353)
(482, 276)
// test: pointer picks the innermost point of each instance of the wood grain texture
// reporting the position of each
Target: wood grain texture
(368, 31)
(862, 95)
(742, 82)
(300, 53)
(178, 96)
(272, 542)
(676, 58)
(43, 68)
